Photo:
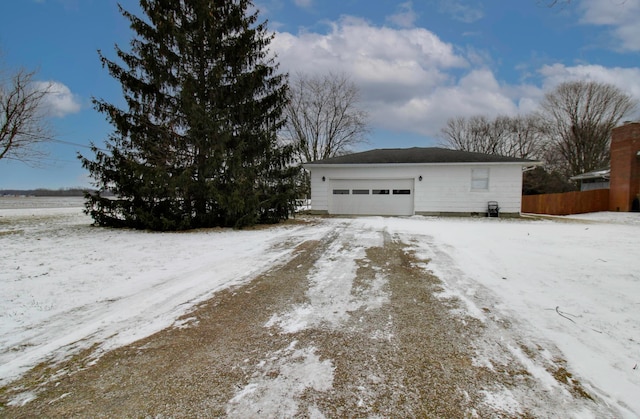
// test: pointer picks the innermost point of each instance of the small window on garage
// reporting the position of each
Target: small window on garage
(341, 191)
(380, 192)
(360, 191)
(402, 191)
(480, 179)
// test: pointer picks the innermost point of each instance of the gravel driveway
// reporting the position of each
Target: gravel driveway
(353, 326)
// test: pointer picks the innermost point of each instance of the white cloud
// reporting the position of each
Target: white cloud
(405, 17)
(366, 51)
(59, 101)
(621, 15)
(412, 81)
(460, 11)
(409, 79)
(478, 92)
(627, 79)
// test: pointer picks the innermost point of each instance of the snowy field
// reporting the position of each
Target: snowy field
(572, 282)
(67, 285)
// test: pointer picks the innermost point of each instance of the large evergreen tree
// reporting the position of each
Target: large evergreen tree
(196, 145)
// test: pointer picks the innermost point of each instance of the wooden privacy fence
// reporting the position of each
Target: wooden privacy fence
(567, 203)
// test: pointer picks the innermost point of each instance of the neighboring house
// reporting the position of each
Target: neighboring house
(623, 179)
(598, 179)
(423, 181)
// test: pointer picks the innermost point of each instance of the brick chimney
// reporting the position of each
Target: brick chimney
(625, 167)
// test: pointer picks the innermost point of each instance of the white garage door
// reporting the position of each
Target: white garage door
(371, 197)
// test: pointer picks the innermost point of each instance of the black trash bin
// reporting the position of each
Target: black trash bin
(493, 210)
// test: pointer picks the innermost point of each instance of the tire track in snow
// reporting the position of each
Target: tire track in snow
(387, 345)
(331, 281)
(329, 304)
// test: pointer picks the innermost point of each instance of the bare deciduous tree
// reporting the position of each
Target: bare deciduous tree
(507, 136)
(578, 117)
(526, 138)
(23, 123)
(323, 118)
(470, 134)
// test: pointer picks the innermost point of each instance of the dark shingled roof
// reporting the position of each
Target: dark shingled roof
(418, 155)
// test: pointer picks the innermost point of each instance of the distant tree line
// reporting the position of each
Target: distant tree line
(65, 192)
(570, 133)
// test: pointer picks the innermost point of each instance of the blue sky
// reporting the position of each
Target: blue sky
(416, 63)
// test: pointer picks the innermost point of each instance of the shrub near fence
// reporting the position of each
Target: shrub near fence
(567, 203)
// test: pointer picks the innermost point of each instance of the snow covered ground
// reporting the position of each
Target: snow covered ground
(67, 285)
(572, 282)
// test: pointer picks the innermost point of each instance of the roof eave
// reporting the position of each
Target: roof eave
(350, 165)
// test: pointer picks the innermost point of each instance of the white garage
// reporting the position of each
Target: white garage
(421, 181)
(371, 197)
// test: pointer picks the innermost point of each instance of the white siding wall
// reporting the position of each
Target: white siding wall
(448, 189)
(319, 196)
(444, 188)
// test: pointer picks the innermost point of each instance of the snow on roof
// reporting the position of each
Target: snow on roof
(596, 174)
(417, 155)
